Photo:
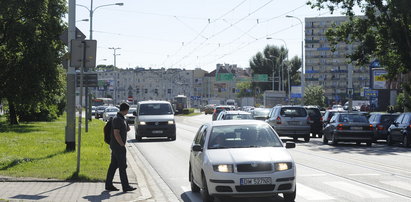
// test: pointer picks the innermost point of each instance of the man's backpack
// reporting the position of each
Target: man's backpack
(107, 131)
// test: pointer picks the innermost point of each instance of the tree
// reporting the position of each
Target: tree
(295, 75)
(314, 95)
(383, 33)
(245, 89)
(30, 52)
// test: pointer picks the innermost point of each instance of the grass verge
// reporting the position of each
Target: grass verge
(37, 149)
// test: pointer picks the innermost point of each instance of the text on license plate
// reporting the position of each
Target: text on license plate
(356, 128)
(157, 132)
(255, 181)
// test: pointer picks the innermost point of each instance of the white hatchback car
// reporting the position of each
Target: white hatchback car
(241, 158)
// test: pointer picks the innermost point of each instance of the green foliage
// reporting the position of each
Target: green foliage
(30, 57)
(243, 87)
(37, 149)
(314, 95)
(188, 110)
(402, 102)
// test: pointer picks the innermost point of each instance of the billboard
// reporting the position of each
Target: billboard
(296, 92)
(378, 78)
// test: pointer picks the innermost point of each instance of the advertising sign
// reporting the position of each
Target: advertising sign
(296, 92)
(378, 78)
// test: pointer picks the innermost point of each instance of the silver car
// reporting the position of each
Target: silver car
(290, 120)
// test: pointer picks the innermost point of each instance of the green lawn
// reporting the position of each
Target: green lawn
(38, 150)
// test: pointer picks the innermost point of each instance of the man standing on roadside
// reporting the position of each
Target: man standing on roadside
(118, 151)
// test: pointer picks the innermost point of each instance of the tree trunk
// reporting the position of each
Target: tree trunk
(12, 114)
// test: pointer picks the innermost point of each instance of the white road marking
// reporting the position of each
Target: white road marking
(364, 174)
(311, 194)
(312, 175)
(399, 184)
(356, 190)
(185, 189)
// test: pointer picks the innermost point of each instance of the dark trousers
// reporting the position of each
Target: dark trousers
(118, 160)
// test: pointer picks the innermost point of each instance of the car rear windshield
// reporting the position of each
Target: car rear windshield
(388, 118)
(219, 109)
(293, 112)
(237, 116)
(261, 112)
(352, 118)
(112, 110)
(313, 112)
(155, 109)
(243, 136)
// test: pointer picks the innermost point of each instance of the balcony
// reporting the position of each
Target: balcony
(312, 41)
(311, 71)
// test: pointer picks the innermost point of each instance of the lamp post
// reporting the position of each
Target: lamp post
(302, 56)
(288, 69)
(272, 62)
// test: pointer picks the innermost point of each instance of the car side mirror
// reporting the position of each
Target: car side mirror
(197, 148)
(395, 123)
(290, 145)
(135, 113)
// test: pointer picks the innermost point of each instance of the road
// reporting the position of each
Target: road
(346, 172)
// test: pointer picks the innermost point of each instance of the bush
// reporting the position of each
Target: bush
(188, 110)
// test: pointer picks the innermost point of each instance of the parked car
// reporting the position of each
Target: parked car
(291, 121)
(233, 115)
(209, 109)
(130, 115)
(109, 113)
(381, 122)
(99, 111)
(348, 127)
(241, 158)
(315, 120)
(400, 130)
(154, 119)
(219, 109)
(261, 113)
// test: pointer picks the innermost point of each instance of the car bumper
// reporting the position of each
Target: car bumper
(293, 131)
(157, 131)
(228, 184)
(353, 136)
(380, 135)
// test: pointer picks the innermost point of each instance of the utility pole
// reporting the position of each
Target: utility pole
(70, 130)
(115, 80)
(114, 54)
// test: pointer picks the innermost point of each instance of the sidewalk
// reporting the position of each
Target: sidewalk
(22, 189)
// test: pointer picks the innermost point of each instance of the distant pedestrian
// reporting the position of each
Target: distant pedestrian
(118, 151)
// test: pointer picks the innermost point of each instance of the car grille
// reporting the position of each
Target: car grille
(254, 167)
(251, 188)
(156, 123)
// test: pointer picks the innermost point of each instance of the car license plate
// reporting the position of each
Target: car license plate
(293, 123)
(356, 128)
(255, 181)
(157, 132)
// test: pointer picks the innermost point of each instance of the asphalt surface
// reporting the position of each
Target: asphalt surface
(346, 172)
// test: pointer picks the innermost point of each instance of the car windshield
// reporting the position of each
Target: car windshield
(388, 118)
(293, 112)
(261, 112)
(131, 110)
(352, 118)
(220, 109)
(112, 110)
(243, 136)
(237, 116)
(101, 108)
(155, 109)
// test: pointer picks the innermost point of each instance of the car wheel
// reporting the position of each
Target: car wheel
(172, 138)
(307, 138)
(358, 143)
(333, 140)
(290, 196)
(205, 194)
(194, 187)
(295, 139)
(325, 140)
(406, 141)
(138, 137)
(369, 143)
(389, 140)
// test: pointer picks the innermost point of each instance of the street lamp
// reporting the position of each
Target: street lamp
(272, 62)
(91, 11)
(82, 20)
(302, 55)
(288, 69)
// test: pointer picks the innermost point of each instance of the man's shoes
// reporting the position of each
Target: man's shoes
(111, 188)
(129, 188)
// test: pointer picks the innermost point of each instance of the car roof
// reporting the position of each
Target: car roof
(237, 112)
(154, 101)
(236, 122)
(289, 106)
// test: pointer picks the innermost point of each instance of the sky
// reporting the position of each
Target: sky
(191, 34)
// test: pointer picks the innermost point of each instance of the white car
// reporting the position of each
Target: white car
(241, 158)
(110, 112)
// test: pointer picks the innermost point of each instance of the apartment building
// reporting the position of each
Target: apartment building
(330, 69)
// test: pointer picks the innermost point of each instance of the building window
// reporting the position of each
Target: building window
(156, 91)
(233, 90)
(138, 90)
(145, 91)
(169, 91)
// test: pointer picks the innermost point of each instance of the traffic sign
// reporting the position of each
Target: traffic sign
(83, 51)
(224, 77)
(260, 77)
(89, 79)
(371, 93)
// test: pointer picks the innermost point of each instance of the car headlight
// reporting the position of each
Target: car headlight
(223, 168)
(170, 122)
(283, 166)
(142, 123)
